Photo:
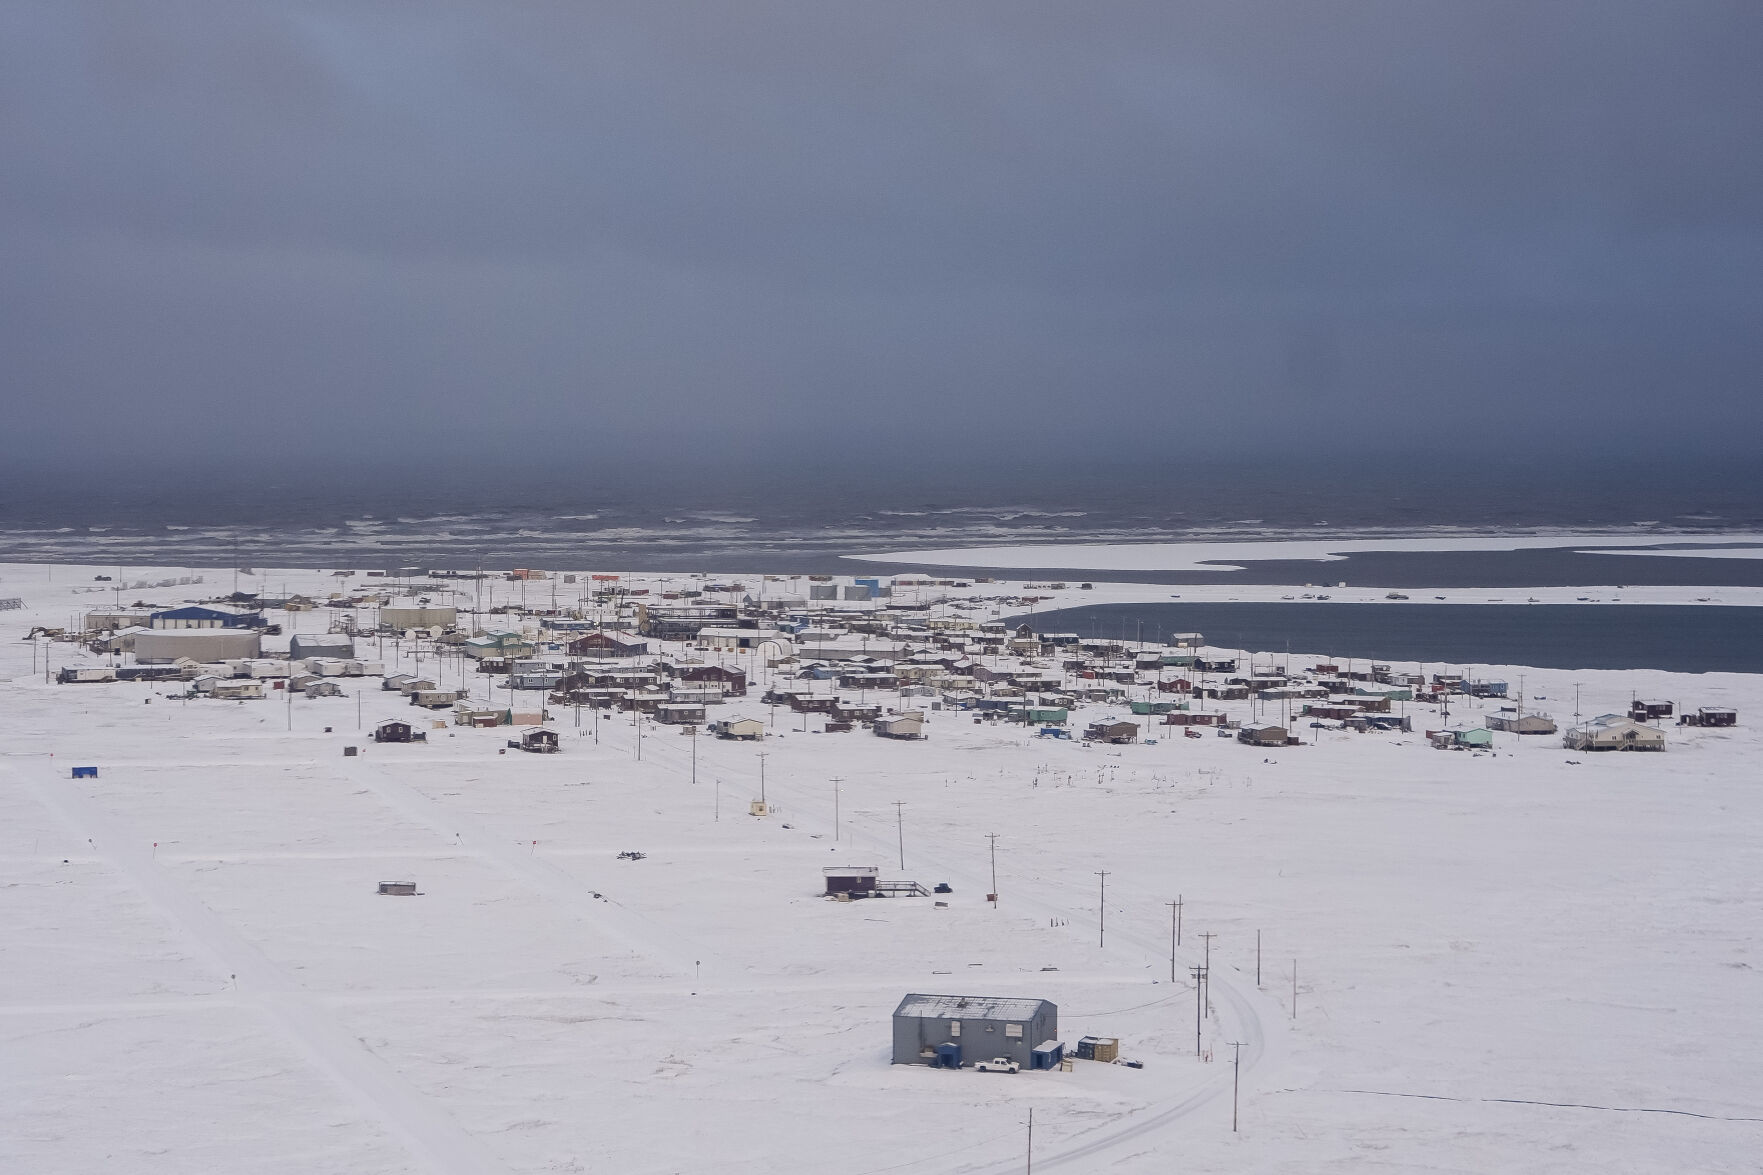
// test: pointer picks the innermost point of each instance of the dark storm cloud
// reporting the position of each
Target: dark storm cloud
(520, 230)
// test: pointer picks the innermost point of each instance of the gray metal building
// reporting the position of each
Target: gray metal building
(980, 1027)
(330, 644)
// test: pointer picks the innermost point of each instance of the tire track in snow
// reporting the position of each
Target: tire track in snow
(434, 1138)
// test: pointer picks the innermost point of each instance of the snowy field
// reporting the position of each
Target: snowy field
(1527, 961)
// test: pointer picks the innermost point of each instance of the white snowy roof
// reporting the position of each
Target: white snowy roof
(969, 1007)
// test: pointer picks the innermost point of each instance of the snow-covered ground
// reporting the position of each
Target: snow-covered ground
(1524, 961)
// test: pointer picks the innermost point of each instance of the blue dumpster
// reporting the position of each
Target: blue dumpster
(85, 773)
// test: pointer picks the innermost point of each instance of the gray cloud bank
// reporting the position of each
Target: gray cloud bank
(628, 233)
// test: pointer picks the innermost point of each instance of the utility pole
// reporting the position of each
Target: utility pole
(1236, 1075)
(1199, 975)
(900, 827)
(1208, 936)
(1102, 910)
(762, 756)
(1177, 919)
(836, 781)
(1174, 907)
(993, 837)
(1029, 1169)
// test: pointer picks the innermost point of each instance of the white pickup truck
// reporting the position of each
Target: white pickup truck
(997, 1065)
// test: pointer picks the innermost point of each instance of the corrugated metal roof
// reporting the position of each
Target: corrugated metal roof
(973, 1007)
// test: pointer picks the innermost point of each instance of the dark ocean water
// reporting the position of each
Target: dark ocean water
(808, 519)
(1686, 639)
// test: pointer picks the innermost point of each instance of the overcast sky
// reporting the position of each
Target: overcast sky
(519, 231)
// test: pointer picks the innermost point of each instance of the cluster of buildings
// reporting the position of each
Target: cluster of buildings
(867, 653)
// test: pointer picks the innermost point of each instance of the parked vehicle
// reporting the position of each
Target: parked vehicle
(997, 1065)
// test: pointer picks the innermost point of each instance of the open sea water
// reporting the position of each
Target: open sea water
(814, 521)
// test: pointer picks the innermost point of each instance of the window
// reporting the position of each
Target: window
(954, 1028)
(1013, 1030)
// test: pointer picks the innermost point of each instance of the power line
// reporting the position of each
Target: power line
(1102, 910)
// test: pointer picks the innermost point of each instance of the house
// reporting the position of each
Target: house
(1194, 718)
(497, 646)
(942, 1030)
(322, 688)
(1113, 732)
(433, 699)
(538, 741)
(905, 726)
(732, 681)
(680, 713)
(1646, 711)
(1614, 732)
(1461, 737)
(1514, 721)
(856, 712)
(739, 729)
(1263, 734)
(464, 715)
(1710, 716)
(398, 732)
(606, 645)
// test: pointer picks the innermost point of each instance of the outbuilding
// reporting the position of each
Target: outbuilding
(942, 1029)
